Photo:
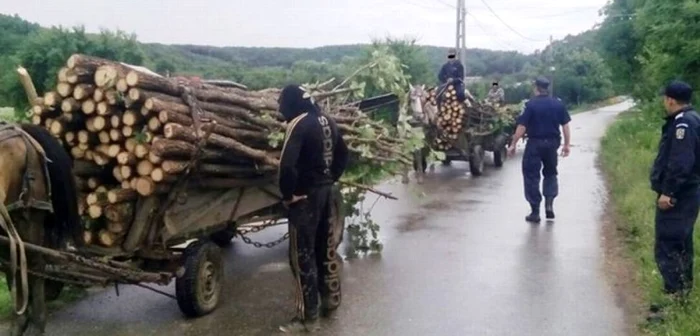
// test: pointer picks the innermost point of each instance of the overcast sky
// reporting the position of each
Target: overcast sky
(311, 23)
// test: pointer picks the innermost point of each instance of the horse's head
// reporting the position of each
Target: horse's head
(418, 97)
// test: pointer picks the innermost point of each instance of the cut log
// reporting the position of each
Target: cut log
(70, 138)
(115, 135)
(117, 173)
(77, 153)
(101, 159)
(107, 238)
(178, 167)
(85, 137)
(90, 63)
(126, 184)
(64, 89)
(89, 106)
(121, 195)
(70, 104)
(88, 237)
(97, 198)
(159, 176)
(105, 109)
(98, 95)
(103, 136)
(126, 172)
(127, 131)
(36, 120)
(122, 86)
(230, 116)
(85, 168)
(78, 75)
(119, 213)
(130, 118)
(155, 159)
(130, 145)
(52, 99)
(146, 187)
(61, 75)
(113, 97)
(95, 211)
(83, 91)
(96, 123)
(126, 158)
(144, 168)
(178, 132)
(56, 128)
(176, 149)
(106, 76)
(115, 121)
(141, 150)
(117, 227)
(81, 184)
(154, 124)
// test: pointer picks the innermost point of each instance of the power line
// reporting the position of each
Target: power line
(489, 32)
(506, 24)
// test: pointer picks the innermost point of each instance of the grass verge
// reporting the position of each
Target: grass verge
(628, 150)
(69, 295)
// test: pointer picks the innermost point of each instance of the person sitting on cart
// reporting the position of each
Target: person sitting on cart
(452, 72)
(496, 95)
(314, 156)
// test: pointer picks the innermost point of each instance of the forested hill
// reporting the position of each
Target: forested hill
(481, 62)
(44, 50)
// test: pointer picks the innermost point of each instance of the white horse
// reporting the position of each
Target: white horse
(424, 115)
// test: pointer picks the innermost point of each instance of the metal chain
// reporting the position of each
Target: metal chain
(242, 231)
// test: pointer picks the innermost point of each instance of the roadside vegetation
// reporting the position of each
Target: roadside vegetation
(645, 48)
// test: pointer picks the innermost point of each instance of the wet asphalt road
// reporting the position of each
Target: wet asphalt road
(458, 259)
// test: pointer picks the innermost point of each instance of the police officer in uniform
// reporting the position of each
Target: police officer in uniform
(675, 178)
(314, 156)
(542, 118)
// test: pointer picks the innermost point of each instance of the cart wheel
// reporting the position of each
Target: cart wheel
(223, 238)
(199, 288)
(446, 162)
(476, 161)
(500, 156)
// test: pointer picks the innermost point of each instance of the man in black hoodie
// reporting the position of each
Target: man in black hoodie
(314, 157)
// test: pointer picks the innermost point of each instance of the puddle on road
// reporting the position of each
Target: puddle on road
(412, 222)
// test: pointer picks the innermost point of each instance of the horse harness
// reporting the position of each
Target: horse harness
(26, 202)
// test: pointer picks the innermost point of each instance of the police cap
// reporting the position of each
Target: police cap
(542, 82)
(679, 91)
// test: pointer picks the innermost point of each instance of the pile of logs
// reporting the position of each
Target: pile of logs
(133, 133)
(471, 117)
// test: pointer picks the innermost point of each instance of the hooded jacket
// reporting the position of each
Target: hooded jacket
(314, 153)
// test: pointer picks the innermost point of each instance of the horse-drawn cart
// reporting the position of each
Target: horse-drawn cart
(463, 131)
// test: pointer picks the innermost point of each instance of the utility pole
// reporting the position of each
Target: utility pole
(461, 38)
(552, 69)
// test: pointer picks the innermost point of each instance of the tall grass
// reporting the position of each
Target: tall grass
(628, 150)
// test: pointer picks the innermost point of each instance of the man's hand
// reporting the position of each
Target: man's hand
(565, 151)
(664, 202)
(511, 150)
(294, 199)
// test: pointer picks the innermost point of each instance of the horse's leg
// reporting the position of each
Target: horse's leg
(418, 165)
(37, 293)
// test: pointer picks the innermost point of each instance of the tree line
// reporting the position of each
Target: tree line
(580, 74)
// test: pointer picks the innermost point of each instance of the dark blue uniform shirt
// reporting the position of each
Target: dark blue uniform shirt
(543, 116)
(451, 69)
(676, 170)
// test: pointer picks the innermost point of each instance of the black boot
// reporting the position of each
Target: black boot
(534, 216)
(549, 208)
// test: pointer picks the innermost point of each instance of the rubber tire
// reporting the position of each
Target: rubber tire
(223, 238)
(476, 161)
(499, 157)
(196, 257)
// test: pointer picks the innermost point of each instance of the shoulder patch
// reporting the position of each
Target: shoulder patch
(679, 115)
(680, 133)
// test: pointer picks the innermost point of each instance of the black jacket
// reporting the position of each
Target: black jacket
(451, 69)
(676, 170)
(314, 154)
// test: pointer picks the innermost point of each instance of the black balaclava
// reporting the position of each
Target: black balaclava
(294, 101)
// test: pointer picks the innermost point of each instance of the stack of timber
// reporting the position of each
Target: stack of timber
(133, 133)
(472, 117)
